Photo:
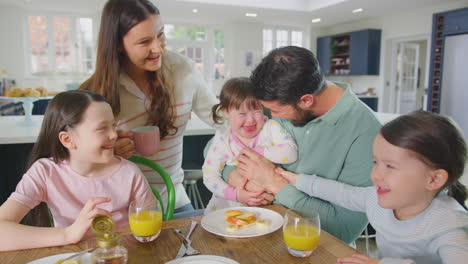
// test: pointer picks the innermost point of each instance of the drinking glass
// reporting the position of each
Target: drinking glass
(145, 219)
(301, 231)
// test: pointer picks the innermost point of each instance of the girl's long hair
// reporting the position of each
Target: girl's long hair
(118, 17)
(437, 142)
(64, 111)
(234, 93)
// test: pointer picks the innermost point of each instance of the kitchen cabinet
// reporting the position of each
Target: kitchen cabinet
(352, 53)
(456, 22)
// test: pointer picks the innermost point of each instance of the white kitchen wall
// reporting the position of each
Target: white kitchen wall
(415, 22)
(12, 50)
(11, 46)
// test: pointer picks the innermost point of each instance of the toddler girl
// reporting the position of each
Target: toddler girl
(73, 169)
(417, 202)
(247, 128)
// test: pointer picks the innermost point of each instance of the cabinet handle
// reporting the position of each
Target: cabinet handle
(457, 27)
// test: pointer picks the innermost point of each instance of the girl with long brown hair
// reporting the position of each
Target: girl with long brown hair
(73, 170)
(148, 85)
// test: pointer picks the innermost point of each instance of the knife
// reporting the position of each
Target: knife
(182, 250)
(79, 254)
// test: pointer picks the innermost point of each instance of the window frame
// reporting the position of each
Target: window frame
(207, 45)
(290, 30)
(74, 22)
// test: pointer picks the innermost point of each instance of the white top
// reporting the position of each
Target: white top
(273, 142)
(437, 235)
(190, 94)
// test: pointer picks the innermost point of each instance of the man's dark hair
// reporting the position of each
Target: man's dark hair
(286, 74)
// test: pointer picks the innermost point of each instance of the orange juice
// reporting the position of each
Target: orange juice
(145, 223)
(301, 237)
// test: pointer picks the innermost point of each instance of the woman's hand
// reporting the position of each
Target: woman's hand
(75, 232)
(358, 259)
(124, 146)
(290, 176)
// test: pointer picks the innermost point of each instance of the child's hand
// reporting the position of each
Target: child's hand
(249, 198)
(291, 177)
(358, 259)
(78, 229)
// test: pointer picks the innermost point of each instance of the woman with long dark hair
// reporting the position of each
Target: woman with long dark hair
(148, 85)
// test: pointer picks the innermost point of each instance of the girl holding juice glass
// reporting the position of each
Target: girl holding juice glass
(247, 128)
(73, 169)
(416, 204)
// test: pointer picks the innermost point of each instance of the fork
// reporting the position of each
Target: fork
(187, 241)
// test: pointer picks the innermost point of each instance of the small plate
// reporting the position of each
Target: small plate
(85, 258)
(215, 223)
(203, 259)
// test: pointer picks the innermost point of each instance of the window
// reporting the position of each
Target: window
(219, 54)
(205, 46)
(60, 44)
(275, 38)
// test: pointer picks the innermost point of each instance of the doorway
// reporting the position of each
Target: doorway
(408, 75)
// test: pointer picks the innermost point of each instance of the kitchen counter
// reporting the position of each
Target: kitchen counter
(12, 132)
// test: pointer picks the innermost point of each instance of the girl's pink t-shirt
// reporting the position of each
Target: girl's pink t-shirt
(66, 192)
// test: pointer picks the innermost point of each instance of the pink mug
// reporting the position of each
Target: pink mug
(146, 140)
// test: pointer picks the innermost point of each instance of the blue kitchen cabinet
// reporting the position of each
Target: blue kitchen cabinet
(323, 53)
(456, 22)
(353, 53)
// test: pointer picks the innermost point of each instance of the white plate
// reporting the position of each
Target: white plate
(203, 259)
(85, 258)
(215, 223)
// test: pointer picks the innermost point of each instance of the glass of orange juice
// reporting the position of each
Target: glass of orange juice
(145, 219)
(301, 231)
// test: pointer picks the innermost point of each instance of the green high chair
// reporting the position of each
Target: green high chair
(169, 211)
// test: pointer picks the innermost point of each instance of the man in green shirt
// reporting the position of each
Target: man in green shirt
(333, 129)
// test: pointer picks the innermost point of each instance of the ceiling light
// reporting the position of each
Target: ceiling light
(251, 14)
(358, 10)
(195, 10)
(316, 20)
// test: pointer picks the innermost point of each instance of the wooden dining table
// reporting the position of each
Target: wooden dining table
(268, 248)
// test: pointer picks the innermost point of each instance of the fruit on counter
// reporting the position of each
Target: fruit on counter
(26, 92)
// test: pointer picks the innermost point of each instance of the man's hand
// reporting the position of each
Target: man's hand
(259, 170)
(255, 167)
(248, 198)
(358, 259)
(78, 229)
(239, 181)
(124, 146)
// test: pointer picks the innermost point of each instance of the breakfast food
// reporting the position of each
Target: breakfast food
(262, 224)
(26, 92)
(236, 219)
